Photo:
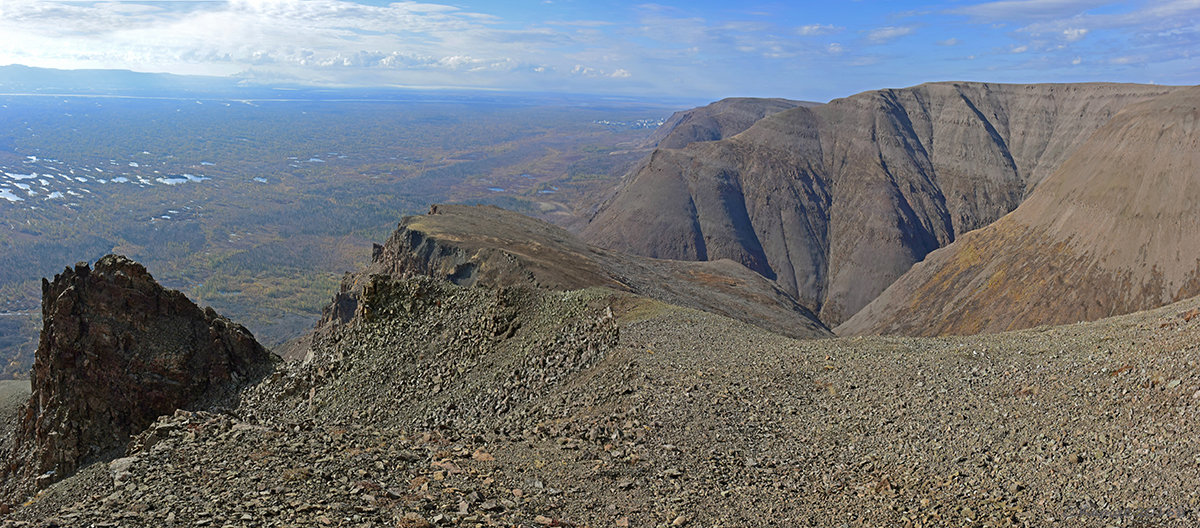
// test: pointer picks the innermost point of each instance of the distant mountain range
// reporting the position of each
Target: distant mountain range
(19, 79)
(24, 79)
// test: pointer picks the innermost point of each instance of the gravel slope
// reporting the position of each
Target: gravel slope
(474, 407)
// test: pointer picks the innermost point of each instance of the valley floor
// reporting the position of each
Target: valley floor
(687, 419)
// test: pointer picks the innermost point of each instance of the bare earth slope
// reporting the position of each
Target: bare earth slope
(1114, 230)
(718, 120)
(488, 246)
(837, 201)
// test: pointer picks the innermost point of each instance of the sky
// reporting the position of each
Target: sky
(696, 49)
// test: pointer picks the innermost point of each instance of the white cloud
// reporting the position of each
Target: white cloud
(949, 42)
(1010, 10)
(885, 34)
(834, 48)
(813, 30)
(339, 41)
(1074, 34)
(1077, 61)
(1020, 49)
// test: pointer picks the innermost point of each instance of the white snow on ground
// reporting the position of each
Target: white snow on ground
(176, 180)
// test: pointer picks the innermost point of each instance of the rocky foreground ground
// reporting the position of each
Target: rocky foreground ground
(440, 405)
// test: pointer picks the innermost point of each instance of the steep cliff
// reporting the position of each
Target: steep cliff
(1113, 231)
(835, 202)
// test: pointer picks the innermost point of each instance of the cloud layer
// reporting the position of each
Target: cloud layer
(686, 49)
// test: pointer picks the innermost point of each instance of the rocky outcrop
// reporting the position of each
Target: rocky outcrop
(491, 247)
(1113, 231)
(117, 351)
(719, 120)
(837, 201)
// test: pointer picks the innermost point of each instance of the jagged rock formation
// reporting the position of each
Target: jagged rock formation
(1113, 231)
(718, 120)
(118, 350)
(837, 201)
(491, 247)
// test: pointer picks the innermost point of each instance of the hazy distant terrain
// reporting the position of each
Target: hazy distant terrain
(257, 206)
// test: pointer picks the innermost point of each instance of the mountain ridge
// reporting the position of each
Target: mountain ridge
(1111, 232)
(718, 120)
(491, 247)
(517, 405)
(837, 201)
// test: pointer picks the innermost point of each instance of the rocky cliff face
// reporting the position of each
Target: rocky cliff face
(1111, 232)
(837, 201)
(118, 350)
(491, 247)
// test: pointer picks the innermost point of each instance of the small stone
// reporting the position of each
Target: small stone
(543, 520)
(680, 521)
(1173, 383)
(1076, 458)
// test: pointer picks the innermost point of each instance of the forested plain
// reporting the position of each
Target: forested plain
(256, 207)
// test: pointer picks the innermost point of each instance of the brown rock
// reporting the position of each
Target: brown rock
(117, 351)
(1111, 232)
(836, 201)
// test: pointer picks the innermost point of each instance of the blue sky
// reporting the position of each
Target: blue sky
(698, 49)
